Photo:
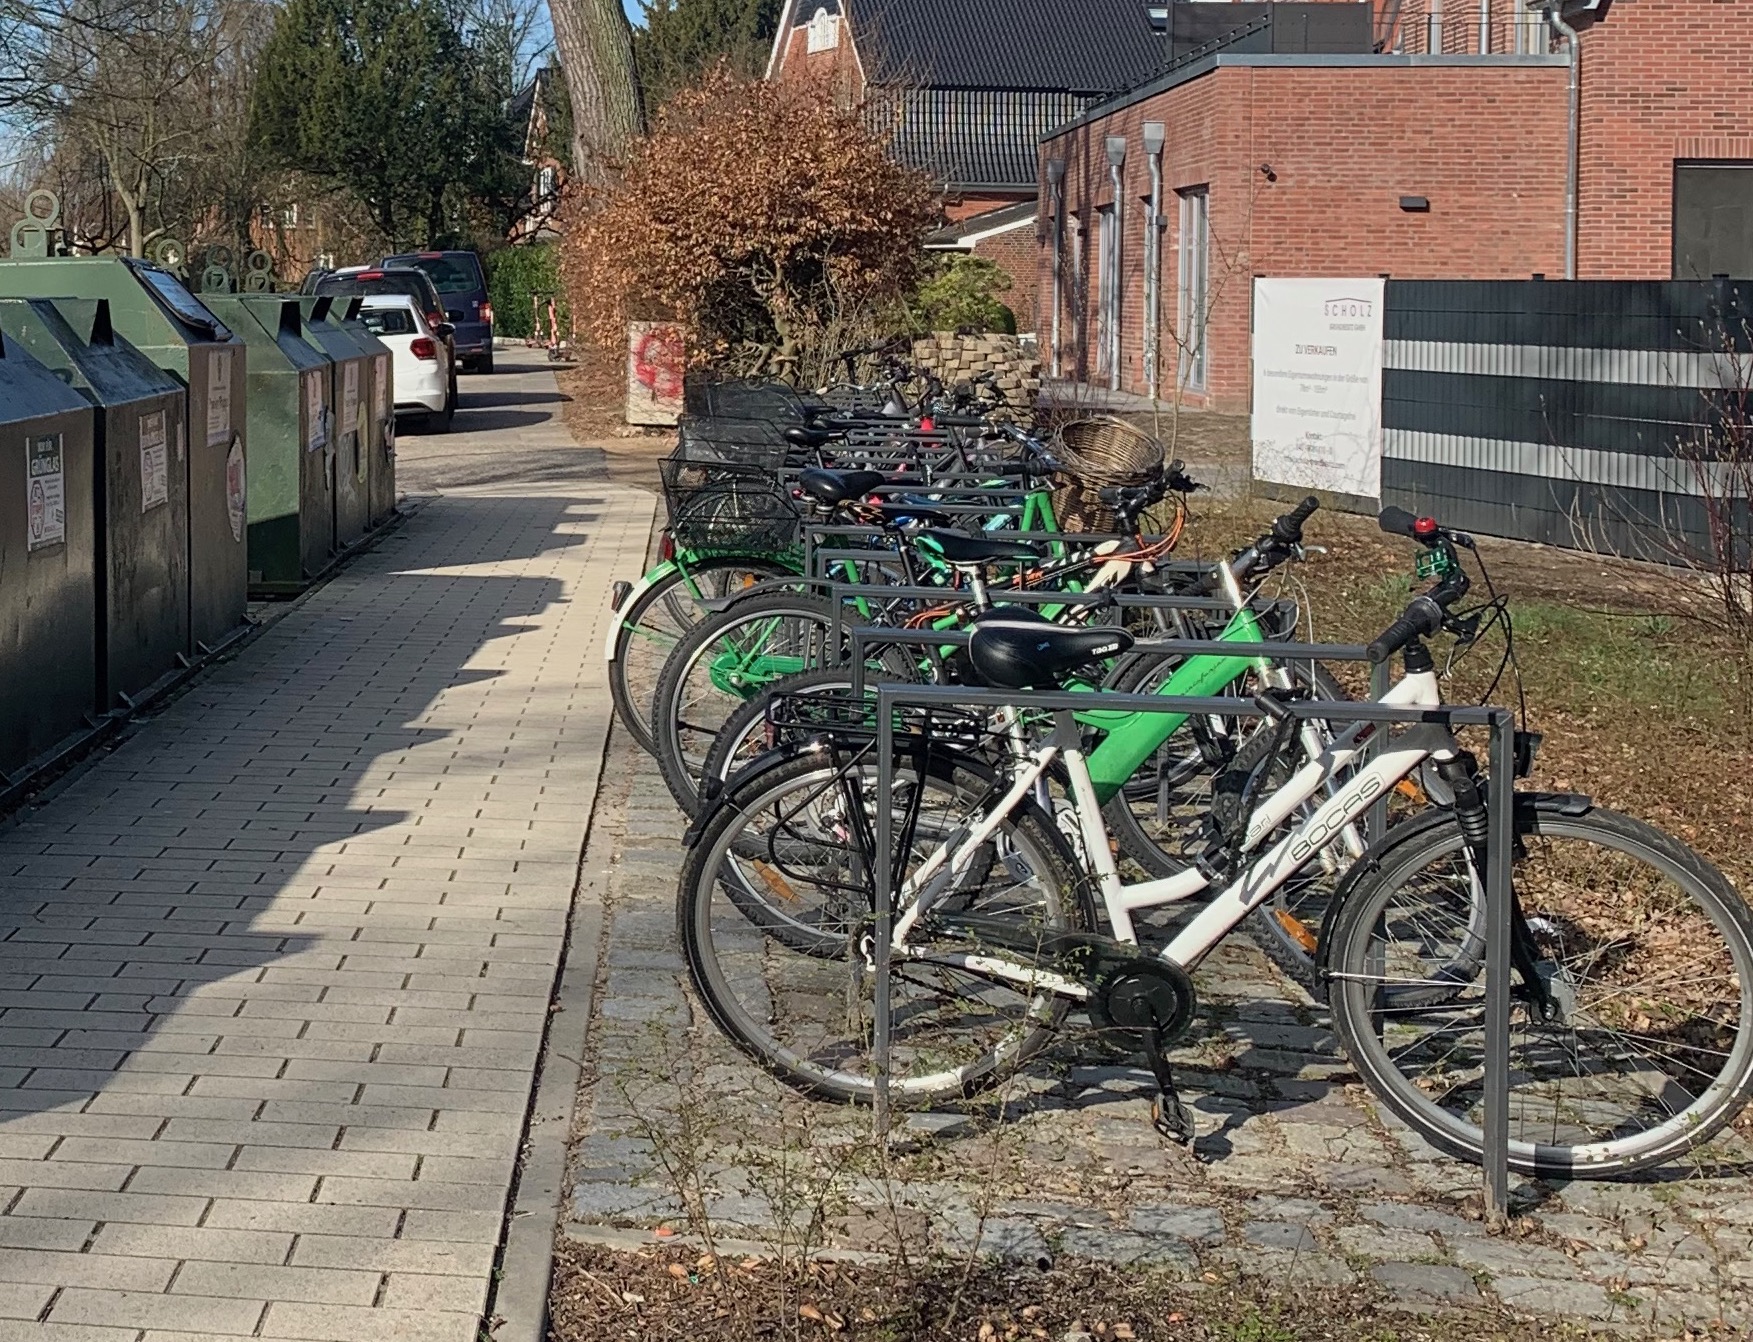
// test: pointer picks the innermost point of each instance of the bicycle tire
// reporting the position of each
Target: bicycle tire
(1366, 969)
(662, 607)
(1286, 944)
(1036, 839)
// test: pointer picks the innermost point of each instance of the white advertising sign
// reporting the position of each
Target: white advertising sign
(1318, 384)
(218, 398)
(154, 465)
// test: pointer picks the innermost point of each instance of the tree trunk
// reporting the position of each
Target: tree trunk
(595, 45)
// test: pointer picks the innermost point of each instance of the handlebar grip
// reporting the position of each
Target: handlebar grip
(1398, 522)
(1392, 639)
(1289, 528)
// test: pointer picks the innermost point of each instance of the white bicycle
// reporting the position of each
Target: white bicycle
(1631, 1033)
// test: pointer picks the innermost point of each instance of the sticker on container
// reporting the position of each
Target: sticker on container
(154, 463)
(235, 487)
(350, 399)
(45, 492)
(218, 398)
(182, 448)
(381, 386)
(316, 417)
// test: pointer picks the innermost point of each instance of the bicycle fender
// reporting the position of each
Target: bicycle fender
(717, 605)
(715, 794)
(639, 589)
(1527, 805)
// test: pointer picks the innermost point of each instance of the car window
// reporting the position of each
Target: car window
(410, 283)
(452, 274)
(388, 321)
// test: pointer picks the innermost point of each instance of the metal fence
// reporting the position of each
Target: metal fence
(1607, 415)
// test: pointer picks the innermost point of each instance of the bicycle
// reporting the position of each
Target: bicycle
(992, 944)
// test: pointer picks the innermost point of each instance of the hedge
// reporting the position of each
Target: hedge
(514, 275)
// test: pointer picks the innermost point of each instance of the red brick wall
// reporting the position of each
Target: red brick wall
(1484, 144)
(835, 71)
(1015, 253)
(1662, 80)
(959, 207)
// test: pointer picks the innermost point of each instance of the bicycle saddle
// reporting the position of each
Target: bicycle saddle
(807, 435)
(964, 551)
(831, 487)
(1016, 649)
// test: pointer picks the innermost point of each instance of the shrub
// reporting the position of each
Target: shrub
(514, 276)
(961, 293)
(754, 215)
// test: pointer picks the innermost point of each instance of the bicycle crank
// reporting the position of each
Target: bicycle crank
(1150, 1001)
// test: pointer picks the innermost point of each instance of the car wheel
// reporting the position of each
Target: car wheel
(438, 421)
(485, 363)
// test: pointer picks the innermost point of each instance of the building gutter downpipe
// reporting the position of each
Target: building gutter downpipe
(1153, 277)
(1574, 149)
(1056, 190)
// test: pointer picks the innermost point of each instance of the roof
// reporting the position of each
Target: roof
(970, 138)
(965, 232)
(1070, 46)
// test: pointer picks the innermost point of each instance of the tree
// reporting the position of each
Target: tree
(595, 45)
(682, 39)
(752, 213)
(387, 99)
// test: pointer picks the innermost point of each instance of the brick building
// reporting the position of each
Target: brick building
(1440, 146)
(965, 89)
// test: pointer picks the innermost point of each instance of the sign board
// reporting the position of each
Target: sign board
(316, 422)
(45, 493)
(236, 493)
(350, 398)
(154, 462)
(657, 356)
(219, 398)
(1318, 384)
(380, 384)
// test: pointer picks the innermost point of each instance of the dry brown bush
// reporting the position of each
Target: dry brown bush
(757, 216)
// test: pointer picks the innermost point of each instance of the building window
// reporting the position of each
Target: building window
(1107, 289)
(547, 185)
(289, 217)
(823, 33)
(1194, 286)
(1079, 293)
(1713, 219)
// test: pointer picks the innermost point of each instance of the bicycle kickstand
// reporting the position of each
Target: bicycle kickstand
(1169, 1114)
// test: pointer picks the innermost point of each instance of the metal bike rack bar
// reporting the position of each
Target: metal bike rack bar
(1500, 848)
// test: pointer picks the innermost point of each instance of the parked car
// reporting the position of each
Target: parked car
(416, 284)
(462, 284)
(424, 378)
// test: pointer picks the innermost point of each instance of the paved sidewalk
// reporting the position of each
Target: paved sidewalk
(276, 971)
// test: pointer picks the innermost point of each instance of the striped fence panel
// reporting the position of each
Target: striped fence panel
(1587, 414)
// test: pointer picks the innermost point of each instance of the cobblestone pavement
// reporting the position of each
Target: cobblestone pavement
(1297, 1177)
(277, 969)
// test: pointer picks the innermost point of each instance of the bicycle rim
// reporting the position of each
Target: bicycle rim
(1645, 947)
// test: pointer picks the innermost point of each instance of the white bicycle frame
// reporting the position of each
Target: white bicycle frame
(941, 871)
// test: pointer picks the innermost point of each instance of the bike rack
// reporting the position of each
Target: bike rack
(1500, 800)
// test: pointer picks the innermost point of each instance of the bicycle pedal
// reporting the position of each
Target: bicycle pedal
(1173, 1120)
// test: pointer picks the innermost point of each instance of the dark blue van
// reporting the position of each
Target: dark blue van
(462, 285)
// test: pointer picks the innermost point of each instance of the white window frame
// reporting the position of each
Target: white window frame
(1193, 286)
(1108, 281)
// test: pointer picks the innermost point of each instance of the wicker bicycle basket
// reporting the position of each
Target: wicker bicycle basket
(720, 507)
(1096, 454)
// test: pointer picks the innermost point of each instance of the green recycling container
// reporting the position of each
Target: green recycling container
(291, 498)
(48, 563)
(152, 310)
(381, 414)
(140, 500)
(349, 459)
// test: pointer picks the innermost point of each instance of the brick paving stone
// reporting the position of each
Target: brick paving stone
(292, 941)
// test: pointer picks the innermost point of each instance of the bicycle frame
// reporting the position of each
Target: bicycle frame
(1252, 888)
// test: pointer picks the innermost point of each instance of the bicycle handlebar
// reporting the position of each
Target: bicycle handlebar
(1427, 612)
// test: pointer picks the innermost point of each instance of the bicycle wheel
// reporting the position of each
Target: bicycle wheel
(655, 621)
(746, 733)
(1645, 947)
(728, 659)
(802, 1005)
(1158, 818)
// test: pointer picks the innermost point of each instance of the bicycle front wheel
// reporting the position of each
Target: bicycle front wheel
(658, 618)
(1645, 949)
(775, 915)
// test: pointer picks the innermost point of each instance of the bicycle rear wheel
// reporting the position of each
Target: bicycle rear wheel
(801, 1003)
(1646, 948)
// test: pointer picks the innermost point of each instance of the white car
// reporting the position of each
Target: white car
(421, 358)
